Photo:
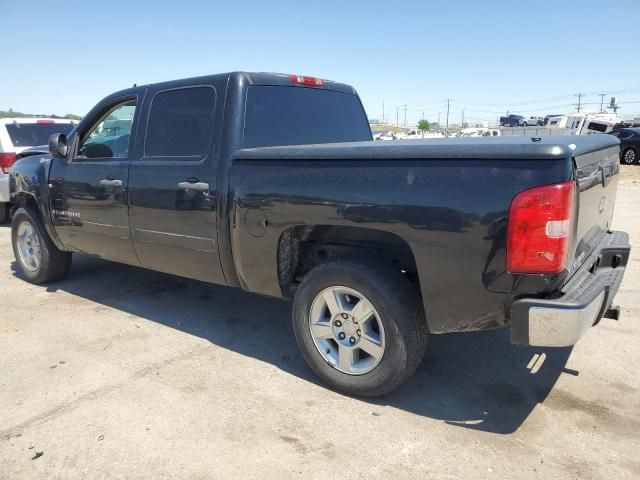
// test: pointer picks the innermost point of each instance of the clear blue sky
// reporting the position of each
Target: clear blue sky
(63, 56)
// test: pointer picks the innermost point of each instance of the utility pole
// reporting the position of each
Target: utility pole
(602, 95)
(579, 101)
(405, 114)
(446, 131)
(462, 123)
(383, 111)
(423, 115)
(397, 116)
(439, 119)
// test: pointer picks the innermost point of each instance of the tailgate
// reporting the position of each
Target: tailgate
(597, 176)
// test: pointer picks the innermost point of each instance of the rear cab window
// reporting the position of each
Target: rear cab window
(282, 115)
(35, 133)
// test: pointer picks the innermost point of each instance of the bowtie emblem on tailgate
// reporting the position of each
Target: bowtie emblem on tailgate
(602, 204)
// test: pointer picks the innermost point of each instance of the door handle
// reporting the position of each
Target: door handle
(197, 186)
(106, 182)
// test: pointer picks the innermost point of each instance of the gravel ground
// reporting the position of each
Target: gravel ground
(118, 372)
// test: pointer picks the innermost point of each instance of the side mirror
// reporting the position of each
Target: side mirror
(58, 145)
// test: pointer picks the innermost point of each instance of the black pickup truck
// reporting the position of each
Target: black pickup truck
(272, 183)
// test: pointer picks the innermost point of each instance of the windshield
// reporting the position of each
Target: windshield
(302, 116)
(34, 134)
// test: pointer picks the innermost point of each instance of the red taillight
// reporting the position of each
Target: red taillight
(45, 121)
(540, 225)
(6, 160)
(304, 80)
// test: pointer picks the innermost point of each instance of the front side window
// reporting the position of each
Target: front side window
(109, 136)
(181, 123)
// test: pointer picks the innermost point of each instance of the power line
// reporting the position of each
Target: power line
(541, 100)
(526, 102)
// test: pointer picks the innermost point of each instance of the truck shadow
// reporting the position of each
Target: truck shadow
(472, 380)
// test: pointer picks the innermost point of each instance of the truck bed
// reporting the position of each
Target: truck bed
(445, 200)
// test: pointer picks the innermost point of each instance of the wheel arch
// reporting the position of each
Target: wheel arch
(27, 199)
(303, 247)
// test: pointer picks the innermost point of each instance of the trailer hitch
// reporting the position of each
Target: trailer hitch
(613, 312)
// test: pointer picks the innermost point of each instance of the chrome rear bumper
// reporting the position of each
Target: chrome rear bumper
(582, 302)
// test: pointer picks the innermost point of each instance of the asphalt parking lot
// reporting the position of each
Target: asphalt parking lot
(120, 372)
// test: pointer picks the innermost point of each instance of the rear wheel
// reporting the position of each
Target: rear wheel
(629, 156)
(39, 260)
(360, 326)
(4, 210)
(525, 124)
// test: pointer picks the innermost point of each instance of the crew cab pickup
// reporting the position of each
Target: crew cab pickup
(272, 183)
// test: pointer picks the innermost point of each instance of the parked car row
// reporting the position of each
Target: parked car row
(17, 135)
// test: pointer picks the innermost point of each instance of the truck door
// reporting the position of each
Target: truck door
(173, 192)
(89, 194)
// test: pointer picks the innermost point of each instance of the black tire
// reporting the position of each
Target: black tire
(629, 156)
(55, 263)
(525, 124)
(4, 212)
(401, 313)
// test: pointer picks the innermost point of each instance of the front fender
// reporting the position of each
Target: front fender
(29, 187)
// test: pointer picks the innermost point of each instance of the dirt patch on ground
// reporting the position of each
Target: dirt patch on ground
(630, 175)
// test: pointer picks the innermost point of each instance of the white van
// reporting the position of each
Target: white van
(17, 134)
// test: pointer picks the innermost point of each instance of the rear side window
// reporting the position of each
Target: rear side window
(597, 127)
(624, 134)
(35, 134)
(180, 123)
(302, 116)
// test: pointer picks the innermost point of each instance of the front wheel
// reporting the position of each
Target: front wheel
(360, 326)
(629, 156)
(525, 124)
(38, 259)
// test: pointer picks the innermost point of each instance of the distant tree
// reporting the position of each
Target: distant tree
(11, 113)
(423, 126)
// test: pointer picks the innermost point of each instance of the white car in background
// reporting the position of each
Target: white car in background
(17, 134)
(491, 132)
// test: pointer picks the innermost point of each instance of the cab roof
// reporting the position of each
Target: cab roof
(251, 78)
